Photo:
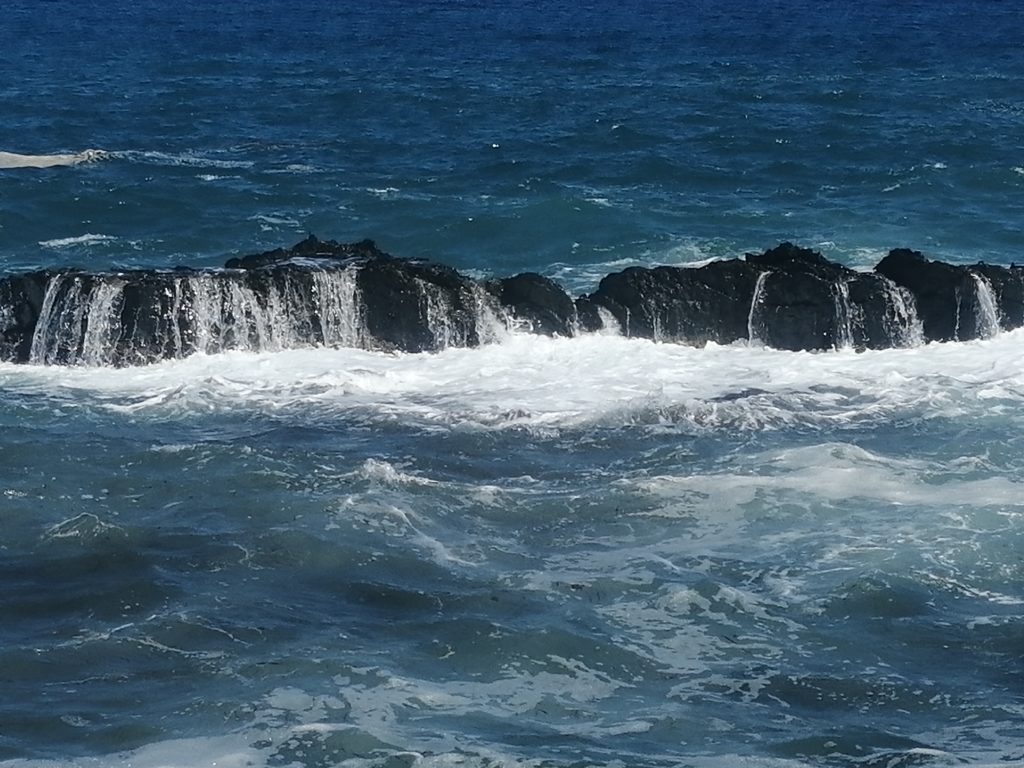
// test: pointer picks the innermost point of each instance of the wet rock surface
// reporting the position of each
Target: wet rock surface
(353, 294)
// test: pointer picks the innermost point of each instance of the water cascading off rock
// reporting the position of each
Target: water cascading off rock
(354, 295)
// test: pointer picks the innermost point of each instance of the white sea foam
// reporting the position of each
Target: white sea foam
(88, 239)
(834, 473)
(543, 383)
(191, 159)
(815, 514)
(12, 160)
(231, 751)
(267, 218)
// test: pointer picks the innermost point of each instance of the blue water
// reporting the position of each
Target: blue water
(543, 552)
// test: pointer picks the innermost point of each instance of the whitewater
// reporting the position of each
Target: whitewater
(532, 382)
(685, 548)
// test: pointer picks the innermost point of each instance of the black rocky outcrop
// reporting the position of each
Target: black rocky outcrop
(312, 248)
(353, 294)
(958, 302)
(21, 301)
(679, 304)
(536, 302)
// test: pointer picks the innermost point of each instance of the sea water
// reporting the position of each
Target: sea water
(544, 551)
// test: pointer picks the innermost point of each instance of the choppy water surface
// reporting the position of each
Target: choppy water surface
(517, 553)
(542, 552)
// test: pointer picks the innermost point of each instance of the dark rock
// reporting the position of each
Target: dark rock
(589, 318)
(536, 300)
(1007, 284)
(791, 259)
(21, 300)
(691, 305)
(417, 307)
(879, 314)
(944, 293)
(801, 301)
(795, 310)
(337, 294)
(310, 248)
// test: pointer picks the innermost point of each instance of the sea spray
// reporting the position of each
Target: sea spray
(902, 322)
(610, 326)
(492, 322)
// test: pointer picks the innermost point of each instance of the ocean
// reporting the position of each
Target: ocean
(542, 551)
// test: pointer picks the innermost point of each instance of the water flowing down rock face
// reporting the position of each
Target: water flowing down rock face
(323, 293)
(679, 304)
(787, 298)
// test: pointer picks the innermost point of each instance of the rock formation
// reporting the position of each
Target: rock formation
(323, 293)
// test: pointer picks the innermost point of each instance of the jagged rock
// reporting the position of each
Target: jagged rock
(21, 300)
(1007, 284)
(690, 305)
(537, 301)
(354, 294)
(789, 259)
(956, 302)
(878, 314)
(417, 307)
(936, 288)
(591, 316)
(799, 296)
(310, 248)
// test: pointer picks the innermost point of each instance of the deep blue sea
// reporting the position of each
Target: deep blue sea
(543, 552)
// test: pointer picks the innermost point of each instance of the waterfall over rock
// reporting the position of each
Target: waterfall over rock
(986, 309)
(332, 294)
(846, 315)
(754, 326)
(901, 321)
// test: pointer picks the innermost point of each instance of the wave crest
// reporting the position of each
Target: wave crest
(11, 160)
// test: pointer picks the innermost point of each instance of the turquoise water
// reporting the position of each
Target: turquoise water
(542, 552)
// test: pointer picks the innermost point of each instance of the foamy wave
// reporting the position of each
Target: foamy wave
(293, 168)
(232, 751)
(273, 220)
(188, 159)
(540, 384)
(10, 160)
(834, 472)
(88, 239)
(213, 177)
